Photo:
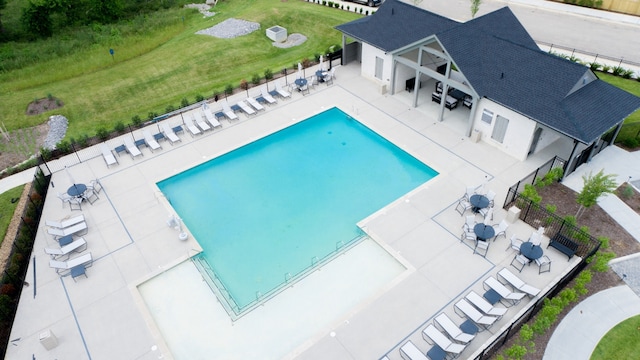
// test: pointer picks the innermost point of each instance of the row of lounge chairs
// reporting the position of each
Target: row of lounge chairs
(449, 339)
(64, 231)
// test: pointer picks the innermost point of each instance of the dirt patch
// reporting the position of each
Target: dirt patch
(21, 145)
(600, 224)
(40, 106)
(630, 196)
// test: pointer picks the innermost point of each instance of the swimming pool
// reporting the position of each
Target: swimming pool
(268, 211)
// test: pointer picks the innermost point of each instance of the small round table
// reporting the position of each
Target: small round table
(484, 232)
(478, 202)
(76, 190)
(530, 251)
(320, 75)
(300, 82)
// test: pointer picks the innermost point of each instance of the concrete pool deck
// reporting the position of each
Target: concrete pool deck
(104, 316)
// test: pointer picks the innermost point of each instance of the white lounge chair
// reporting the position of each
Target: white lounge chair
(132, 149)
(409, 351)
(107, 155)
(150, 141)
(442, 340)
(473, 314)
(266, 96)
(206, 110)
(200, 121)
(169, 133)
(484, 306)
(63, 266)
(77, 245)
(282, 92)
(65, 223)
(75, 229)
(517, 283)
(452, 329)
(226, 110)
(246, 108)
(193, 129)
(256, 105)
(503, 291)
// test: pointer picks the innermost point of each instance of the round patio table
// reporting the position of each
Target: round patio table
(301, 82)
(76, 190)
(478, 202)
(530, 251)
(484, 232)
(320, 75)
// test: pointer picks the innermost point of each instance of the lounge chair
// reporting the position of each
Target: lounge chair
(440, 339)
(517, 283)
(107, 155)
(282, 92)
(452, 329)
(75, 229)
(228, 113)
(409, 351)
(266, 96)
(503, 291)
(256, 105)
(169, 133)
(484, 306)
(206, 110)
(328, 77)
(473, 314)
(65, 266)
(65, 223)
(150, 141)
(246, 108)
(193, 129)
(132, 149)
(199, 120)
(77, 245)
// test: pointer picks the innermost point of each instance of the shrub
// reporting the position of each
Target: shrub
(183, 103)
(243, 84)
(255, 79)
(151, 115)
(136, 120)
(516, 352)
(627, 73)
(119, 128)
(6, 307)
(228, 89)
(49, 96)
(595, 66)
(169, 108)
(199, 98)
(617, 70)
(268, 74)
(630, 142)
(606, 68)
(64, 146)
(83, 140)
(602, 261)
(102, 134)
(531, 193)
(306, 63)
(627, 192)
(45, 153)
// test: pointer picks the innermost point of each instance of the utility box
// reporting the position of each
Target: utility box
(513, 214)
(277, 33)
(48, 340)
(476, 135)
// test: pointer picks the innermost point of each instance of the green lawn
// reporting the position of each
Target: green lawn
(153, 71)
(621, 342)
(7, 208)
(629, 85)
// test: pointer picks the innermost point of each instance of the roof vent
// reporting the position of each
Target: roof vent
(501, 75)
(392, 11)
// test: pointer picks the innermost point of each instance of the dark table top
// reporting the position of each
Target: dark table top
(77, 189)
(436, 353)
(468, 327)
(484, 232)
(530, 251)
(479, 201)
(457, 94)
(492, 296)
(301, 82)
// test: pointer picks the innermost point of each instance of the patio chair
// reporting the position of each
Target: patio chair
(255, 104)
(168, 133)
(481, 248)
(501, 229)
(515, 243)
(90, 195)
(511, 296)
(245, 108)
(199, 120)
(131, 147)
(329, 76)
(151, 142)
(440, 339)
(228, 113)
(75, 203)
(77, 271)
(107, 155)
(468, 234)
(491, 195)
(467, 310)
(193, 129)
(517, 283)
(77, 245)
(65, 223)
(282, 92)
(536, 237)
(519, 261)
(470, 222)
(452, 329)
(410, 351)
(471, 190)
(65, 266)
(64, 197)
(486, 213)
(71, 230)
(543, 262)
(266, 96)
(208, 115)
(463, 206)
(484, 306)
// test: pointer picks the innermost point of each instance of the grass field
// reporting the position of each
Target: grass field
(7, 208)
(150, 72)
(621, 342)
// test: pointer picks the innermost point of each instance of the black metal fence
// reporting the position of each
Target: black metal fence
(531, 179)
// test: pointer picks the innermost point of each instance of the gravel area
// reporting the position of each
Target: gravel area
(203, 8)
(57, 129)
(292, 40)
(231, 28)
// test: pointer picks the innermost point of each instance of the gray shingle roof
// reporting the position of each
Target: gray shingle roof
(503, 63)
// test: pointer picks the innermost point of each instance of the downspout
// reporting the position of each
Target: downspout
(472, 115)
(570, 161)
(394, 68)
(344, 50)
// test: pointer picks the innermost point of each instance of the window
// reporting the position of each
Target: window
(487, 116)
(379, 63)
(500, 128)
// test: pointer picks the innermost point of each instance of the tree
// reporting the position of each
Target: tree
(475, 6)
(594, 187)
(36, 19)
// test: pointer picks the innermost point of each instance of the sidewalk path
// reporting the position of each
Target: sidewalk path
(580, 331)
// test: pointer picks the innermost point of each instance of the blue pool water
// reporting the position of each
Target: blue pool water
(268, 210)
